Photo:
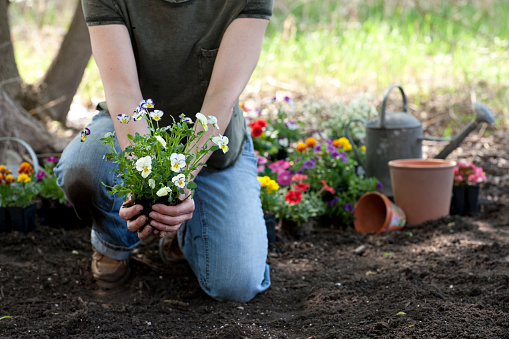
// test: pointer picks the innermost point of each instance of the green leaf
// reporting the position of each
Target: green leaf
(400, 313)
(6, 317)
(130, 137)
(191, 185)
(214, 148)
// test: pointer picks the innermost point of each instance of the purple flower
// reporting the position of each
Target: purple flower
(52, 159)
(291, 125)
(40, 174)
(348, 207)
(299, 171)
(379, 185)
(284, 178)
(333, 202)
(318, 148)
(308, 164)
(343, 157)
(335, 154)
(329, 141)
(330, 148)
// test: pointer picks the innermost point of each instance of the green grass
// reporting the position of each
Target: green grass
(332, 47)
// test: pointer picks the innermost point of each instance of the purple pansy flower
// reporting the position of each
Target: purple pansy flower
(379, 185)
(308, 164)
(333, 202)
(348, 207)
(52, 159)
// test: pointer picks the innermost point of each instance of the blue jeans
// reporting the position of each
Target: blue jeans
(225, 242)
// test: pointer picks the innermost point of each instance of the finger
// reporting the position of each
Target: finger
(145, 232)
(130, 212)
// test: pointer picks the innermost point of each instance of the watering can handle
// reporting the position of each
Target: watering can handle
(384, 103)
(349, 137)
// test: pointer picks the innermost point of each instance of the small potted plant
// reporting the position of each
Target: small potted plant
(54, 210)
(465, 192)
(17, 199)
(270, 199)
(158, 167)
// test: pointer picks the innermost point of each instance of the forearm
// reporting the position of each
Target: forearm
(236, 60)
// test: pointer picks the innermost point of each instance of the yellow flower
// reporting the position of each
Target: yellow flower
(363, 148)
(310, 142)
(264, 180)
(3, 169)
(24, 177)
(301, 147)
(272, 186)
(9, 178)
(344, 143)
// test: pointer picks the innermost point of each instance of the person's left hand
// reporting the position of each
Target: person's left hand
(169, 218)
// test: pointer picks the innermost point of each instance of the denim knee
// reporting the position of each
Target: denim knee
(239, 285)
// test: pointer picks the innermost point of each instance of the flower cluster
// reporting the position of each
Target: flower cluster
(468, 174)
(159, 165)
(19, 192)
(48, 182)
(268, 194)
(316, 176)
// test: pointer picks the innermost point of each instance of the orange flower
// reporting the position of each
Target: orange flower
(301, 147)
(8, 179)
(336, 143)
(299, 177)
(25, 168)
(1, 177)
(310, 142)
(243, 106)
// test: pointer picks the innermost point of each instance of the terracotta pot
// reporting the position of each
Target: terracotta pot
(422, 187)
(375, 212)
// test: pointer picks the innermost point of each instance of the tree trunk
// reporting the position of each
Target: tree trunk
(10, 80)
(15, 121)
(63, 77)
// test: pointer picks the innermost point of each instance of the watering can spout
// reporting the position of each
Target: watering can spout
(483, 114)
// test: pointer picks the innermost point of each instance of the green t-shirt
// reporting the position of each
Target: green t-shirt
(175, 44)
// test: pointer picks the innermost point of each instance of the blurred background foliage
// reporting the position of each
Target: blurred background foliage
(439, 51)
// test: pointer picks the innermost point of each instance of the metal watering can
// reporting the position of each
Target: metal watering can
(398, 135)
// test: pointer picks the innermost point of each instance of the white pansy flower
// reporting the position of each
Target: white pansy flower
(213, 121)
(152, 183)
(179, 180)
(156, 114)
(222, 142)
(178, 161)
(138, 113)
(123, 118)
(202, 120)
(144, 165)
(149, 103)
(161, 140)
(186, 119)
(163, 191)
(109, 134)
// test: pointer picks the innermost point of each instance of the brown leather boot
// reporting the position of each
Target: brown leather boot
(169, 249)
(108, 272)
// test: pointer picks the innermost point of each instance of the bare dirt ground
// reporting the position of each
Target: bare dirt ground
(445, 279)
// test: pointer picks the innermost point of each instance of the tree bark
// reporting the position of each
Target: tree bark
(62, 79)
(10, 80)
(15, 121)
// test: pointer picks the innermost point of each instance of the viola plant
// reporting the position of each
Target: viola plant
(20, 191)
(468, 174)
(158, 166)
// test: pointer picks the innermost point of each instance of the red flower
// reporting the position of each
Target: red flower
(301, 186)
(327, 187)
(293, 197)
(256, 131)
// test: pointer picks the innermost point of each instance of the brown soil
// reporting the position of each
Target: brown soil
(445, 279)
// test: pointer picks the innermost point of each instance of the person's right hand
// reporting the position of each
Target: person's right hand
(128, 211)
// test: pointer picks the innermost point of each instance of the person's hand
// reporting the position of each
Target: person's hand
(136, 222)
(169, 218)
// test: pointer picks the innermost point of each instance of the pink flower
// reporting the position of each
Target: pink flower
(279, 166)
(284, 178)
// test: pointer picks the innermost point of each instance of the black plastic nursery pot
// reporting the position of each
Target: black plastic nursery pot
(270, 223)
(465, 200)
(4, 220)
(22, 219)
